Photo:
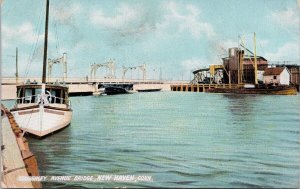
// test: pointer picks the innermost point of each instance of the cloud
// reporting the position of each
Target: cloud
(65, 14)
(30, 44)
(25, 33)
(287, 52)
(186, 20)
(128, 24)
(193, 63)
(132, 22)
(217, 48)
(67, 19)
(224, 45)
(125, 15)
(263, 42)
(288, 17)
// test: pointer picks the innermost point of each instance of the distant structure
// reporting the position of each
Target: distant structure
(62, 60)
(240, 68)
(212, 75)
(277, 76)
(294, 70)
(141, 67)
(110, 64)
(237, 68)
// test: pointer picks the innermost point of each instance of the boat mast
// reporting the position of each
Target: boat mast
(255, 61)
(45, 43)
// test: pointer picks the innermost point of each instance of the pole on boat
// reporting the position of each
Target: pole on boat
(17, 74)
(241, 66)
(229, 77)
(255, 61)
(45, 43)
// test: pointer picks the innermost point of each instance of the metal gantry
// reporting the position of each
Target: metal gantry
(110, 65)
(212, 75)
(62, 60)
(141, 67)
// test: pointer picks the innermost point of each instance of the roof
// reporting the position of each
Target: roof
(200, 70)
(249, 57)
(274, 71)
(252, 57)
(39, 86)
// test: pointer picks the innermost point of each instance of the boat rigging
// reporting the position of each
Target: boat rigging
(44, 108)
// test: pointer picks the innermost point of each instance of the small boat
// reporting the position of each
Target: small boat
(42, 109)
(99, 92)
(131, 91)
(277, 90)
(149, 90)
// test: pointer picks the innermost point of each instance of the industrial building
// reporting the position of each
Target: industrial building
(238, 68)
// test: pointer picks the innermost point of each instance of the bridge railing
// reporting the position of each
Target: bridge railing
(22, 80)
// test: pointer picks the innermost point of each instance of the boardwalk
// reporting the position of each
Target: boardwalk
(12, 159)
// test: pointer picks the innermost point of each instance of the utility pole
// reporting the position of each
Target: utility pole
(160, 74)
(17, 74)
(64, 62)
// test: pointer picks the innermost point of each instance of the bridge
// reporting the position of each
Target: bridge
(84, 85)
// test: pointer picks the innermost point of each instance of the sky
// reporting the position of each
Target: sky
(172, 37)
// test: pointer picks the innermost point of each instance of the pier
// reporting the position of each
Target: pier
(17, 160)
(201, 87)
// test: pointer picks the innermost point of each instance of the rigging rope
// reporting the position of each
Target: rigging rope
(34, 46)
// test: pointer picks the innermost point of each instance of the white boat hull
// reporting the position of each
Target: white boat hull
(41, 121)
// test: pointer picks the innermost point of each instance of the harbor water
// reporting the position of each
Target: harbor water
(180, 139)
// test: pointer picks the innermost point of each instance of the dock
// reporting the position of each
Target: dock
(16, 158)
(202, 87)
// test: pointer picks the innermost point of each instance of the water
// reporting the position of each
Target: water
(180, 139)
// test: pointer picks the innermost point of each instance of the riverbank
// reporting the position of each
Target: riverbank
(16, 158)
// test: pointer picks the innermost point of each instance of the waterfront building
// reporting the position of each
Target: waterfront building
(277, 76)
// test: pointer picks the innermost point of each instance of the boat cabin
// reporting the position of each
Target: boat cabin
(31, 93)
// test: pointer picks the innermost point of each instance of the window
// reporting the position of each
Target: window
(231, 52)
(275, 77)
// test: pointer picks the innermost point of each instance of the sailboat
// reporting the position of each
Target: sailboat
(42, 109)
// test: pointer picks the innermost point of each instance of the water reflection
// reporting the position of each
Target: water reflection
(180, 139)
(53, 146)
